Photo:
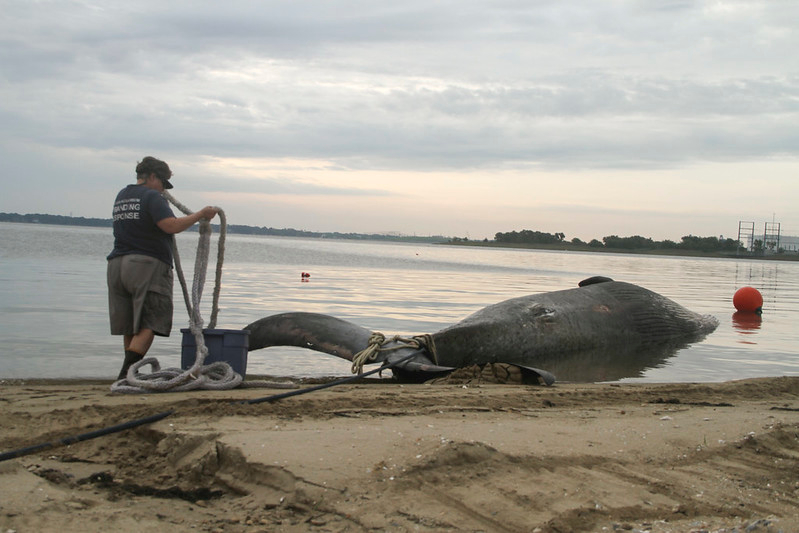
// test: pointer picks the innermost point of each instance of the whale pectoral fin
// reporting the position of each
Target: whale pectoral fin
(419, 363)
(416, 370)
(535, 376)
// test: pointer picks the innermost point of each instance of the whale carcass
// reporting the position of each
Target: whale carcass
(601, 330)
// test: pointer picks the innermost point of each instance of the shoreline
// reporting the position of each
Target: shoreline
(436, 241)
(451, 456)
(787, 256)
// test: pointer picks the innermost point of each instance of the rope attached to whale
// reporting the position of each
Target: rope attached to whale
(377, 342)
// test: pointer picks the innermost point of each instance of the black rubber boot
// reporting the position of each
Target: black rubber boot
(130, 358)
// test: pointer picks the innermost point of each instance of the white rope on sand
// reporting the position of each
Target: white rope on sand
(215, 376)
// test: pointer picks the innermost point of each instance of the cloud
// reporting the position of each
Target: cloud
(280, 185)
(352, 89)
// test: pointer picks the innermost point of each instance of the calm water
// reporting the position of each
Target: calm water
(53, 317)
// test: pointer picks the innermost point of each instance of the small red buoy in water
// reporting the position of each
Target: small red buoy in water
(306, 275)
(748, 299)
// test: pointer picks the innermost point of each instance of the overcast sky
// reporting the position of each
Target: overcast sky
(461, 118)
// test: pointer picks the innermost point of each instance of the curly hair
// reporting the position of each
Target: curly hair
(150, 165)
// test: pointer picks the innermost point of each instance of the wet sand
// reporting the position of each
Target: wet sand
(461, 455)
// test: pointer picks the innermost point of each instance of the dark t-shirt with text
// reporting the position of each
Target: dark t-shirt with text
(137, 210)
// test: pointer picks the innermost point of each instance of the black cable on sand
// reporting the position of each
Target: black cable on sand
(85, 436)
(160, 416)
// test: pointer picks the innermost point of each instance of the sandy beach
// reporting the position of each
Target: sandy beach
(464, 454)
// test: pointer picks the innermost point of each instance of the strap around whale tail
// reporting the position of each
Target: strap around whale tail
(377, 343)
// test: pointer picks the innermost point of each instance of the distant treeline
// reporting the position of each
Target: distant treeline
(55, 220)
(636, 242)
(232, 228)
(689, 243)
(289, 232)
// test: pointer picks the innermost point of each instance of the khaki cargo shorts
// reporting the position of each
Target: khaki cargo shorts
(139, 295)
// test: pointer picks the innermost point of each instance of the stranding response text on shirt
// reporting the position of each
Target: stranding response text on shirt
(127, 209)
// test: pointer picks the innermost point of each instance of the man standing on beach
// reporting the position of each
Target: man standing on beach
(140, 265)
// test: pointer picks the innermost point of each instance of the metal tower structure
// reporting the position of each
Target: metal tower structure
(746, 235)
(771, 237)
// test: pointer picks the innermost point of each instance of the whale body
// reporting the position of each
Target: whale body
(601, 330)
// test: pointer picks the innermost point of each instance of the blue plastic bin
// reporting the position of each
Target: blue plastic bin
(227, 345)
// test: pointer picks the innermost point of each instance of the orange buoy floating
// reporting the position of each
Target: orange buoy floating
(748, 299)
